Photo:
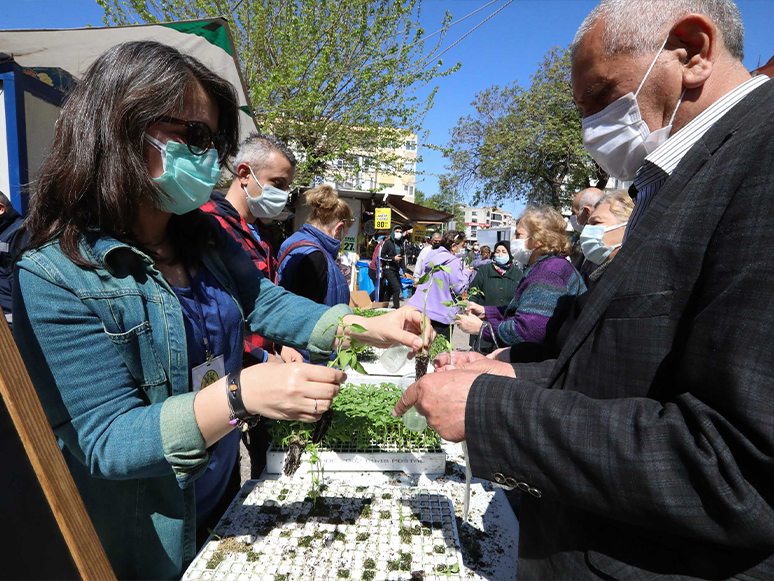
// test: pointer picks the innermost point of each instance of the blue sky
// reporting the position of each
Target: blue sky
(505, 49)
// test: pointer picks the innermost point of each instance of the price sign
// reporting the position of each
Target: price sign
(383, 218)
(349, 244)
(419, 233)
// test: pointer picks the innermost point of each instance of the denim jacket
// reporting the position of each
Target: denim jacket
(106, 349)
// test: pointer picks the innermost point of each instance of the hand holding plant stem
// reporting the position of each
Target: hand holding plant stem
(405, 326)
(428, 278)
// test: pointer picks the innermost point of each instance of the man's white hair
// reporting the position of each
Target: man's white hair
(640, 26)
(590, 197)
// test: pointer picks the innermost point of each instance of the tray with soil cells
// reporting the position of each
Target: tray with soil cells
(280, 531)
(358, 434)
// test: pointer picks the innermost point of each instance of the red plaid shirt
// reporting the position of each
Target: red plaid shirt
(259, 251)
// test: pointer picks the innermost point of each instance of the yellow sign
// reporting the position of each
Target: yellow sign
(383, 218)
(419, 233)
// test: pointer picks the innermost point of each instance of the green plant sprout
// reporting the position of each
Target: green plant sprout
(458, 303)
(317, 472)
(348, 356)
(345, 357)
(423, 359)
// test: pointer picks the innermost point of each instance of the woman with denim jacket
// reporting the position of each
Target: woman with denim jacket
(134, 305)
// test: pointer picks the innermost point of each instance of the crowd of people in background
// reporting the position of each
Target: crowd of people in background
(619, 378)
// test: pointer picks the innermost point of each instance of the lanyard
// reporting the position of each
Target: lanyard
(203, 326)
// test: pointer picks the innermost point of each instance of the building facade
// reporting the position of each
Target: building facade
(370, 175)
(485, 218)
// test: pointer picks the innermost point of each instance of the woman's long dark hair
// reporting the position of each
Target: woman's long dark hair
(96, 177)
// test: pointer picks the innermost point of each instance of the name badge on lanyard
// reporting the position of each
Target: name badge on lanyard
(214, 367)
(208, 372)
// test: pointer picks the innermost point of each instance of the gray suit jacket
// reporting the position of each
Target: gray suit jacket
(646, 451)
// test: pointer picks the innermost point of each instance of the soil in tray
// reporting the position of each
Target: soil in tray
(360, 531)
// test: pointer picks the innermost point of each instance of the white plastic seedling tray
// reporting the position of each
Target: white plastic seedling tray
(273, 532)
(419, 462)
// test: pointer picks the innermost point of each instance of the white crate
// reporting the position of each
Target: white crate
(419, 462)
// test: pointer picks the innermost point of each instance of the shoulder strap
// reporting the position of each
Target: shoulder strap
(295, 245)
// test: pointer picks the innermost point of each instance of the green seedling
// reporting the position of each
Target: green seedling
(317, 471)
(423, 359)
(347, 356)
(362, 421)
(457, 303)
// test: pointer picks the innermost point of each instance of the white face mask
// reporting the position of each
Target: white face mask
(520, 252)
(617, 137)
(574, 223)
(398, 236)
(269, 204)
(594, 249)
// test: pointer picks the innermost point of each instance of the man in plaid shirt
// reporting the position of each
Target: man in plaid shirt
(262, 162)
(264, 171)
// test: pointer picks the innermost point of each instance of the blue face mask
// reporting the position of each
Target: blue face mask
(500, 259)
(188, 179)
(269, 204)
(591, 243)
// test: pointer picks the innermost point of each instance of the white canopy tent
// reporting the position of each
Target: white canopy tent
(74, 50)
(38, 67)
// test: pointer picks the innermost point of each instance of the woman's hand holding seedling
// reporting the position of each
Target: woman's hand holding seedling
(403, 326)
(469, 324)
(476, 310)
(290, 391)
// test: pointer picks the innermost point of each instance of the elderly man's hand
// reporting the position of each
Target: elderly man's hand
(501, 354)
(441, 398)
(444, 361)
(491, 366)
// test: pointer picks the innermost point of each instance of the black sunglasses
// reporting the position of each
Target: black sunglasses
(200, 138)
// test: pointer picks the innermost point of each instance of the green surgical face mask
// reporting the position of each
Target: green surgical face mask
(188, 179)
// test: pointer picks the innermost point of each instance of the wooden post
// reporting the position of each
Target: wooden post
(43, 451)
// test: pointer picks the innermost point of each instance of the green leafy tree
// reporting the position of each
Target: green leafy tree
(525, 143)
(336, 80)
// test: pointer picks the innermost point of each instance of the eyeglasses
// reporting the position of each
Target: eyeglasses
(200, 138)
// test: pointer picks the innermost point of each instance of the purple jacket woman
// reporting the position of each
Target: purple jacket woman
(454, 283)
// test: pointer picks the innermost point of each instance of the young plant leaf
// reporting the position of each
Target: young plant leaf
(359, 368)
(444, 268)
(448, 303)
(423, 279)
(439, 282)
(344, 359)
(355, 328)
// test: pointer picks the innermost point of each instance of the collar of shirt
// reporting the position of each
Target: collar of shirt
(663, 161)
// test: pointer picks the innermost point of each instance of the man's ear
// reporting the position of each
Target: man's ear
(698, 44)
(243, 173)
(2, 208)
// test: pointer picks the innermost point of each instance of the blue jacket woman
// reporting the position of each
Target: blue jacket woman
(307, 260)
(135, 303)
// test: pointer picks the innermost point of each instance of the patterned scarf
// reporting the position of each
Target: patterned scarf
(501, 270)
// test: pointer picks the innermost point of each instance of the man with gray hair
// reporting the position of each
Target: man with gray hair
(583, 205)
(264, 168)
(644, 451)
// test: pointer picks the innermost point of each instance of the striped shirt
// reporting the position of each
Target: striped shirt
(660, 164)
